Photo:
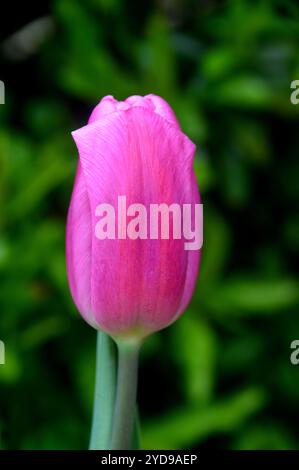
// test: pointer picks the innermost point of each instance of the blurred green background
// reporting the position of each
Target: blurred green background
(221, 376)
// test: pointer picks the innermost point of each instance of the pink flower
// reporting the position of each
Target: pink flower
(135, 148)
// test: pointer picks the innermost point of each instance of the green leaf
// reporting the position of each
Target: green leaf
(159, 59)
(196, 357)
(191, 425)
(254, 296)
(245, 92)
(265, 436)
(217, 239)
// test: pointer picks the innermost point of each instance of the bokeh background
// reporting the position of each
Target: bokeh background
(221, 376)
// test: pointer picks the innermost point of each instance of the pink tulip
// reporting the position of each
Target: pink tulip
(135, 148)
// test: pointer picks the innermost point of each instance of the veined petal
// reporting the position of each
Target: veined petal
(162, 108)
(78, 246)
(107, 105)
(136, 284)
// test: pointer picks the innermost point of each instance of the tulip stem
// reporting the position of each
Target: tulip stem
(104, 394)
(125, 406)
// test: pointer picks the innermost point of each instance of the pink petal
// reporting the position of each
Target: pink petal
(137, 284)
(79, 246)
(162, 108)
(107, 105)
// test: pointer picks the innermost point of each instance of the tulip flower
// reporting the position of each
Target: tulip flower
(125, 278)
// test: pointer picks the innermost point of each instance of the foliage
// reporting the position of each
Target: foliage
(221, 376)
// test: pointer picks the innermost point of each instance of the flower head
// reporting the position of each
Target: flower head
(134, 149)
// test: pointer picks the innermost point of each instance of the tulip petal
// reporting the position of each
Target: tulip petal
(78, 246)
(107, 105)
(162, 108)
(193, 261)
(137, 285)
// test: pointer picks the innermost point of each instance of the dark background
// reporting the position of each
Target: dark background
(221, 376)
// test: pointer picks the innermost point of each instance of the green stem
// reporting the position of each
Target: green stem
(104, 394)
(125, 406)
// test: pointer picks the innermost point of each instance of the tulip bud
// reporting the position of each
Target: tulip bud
(125, 278)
